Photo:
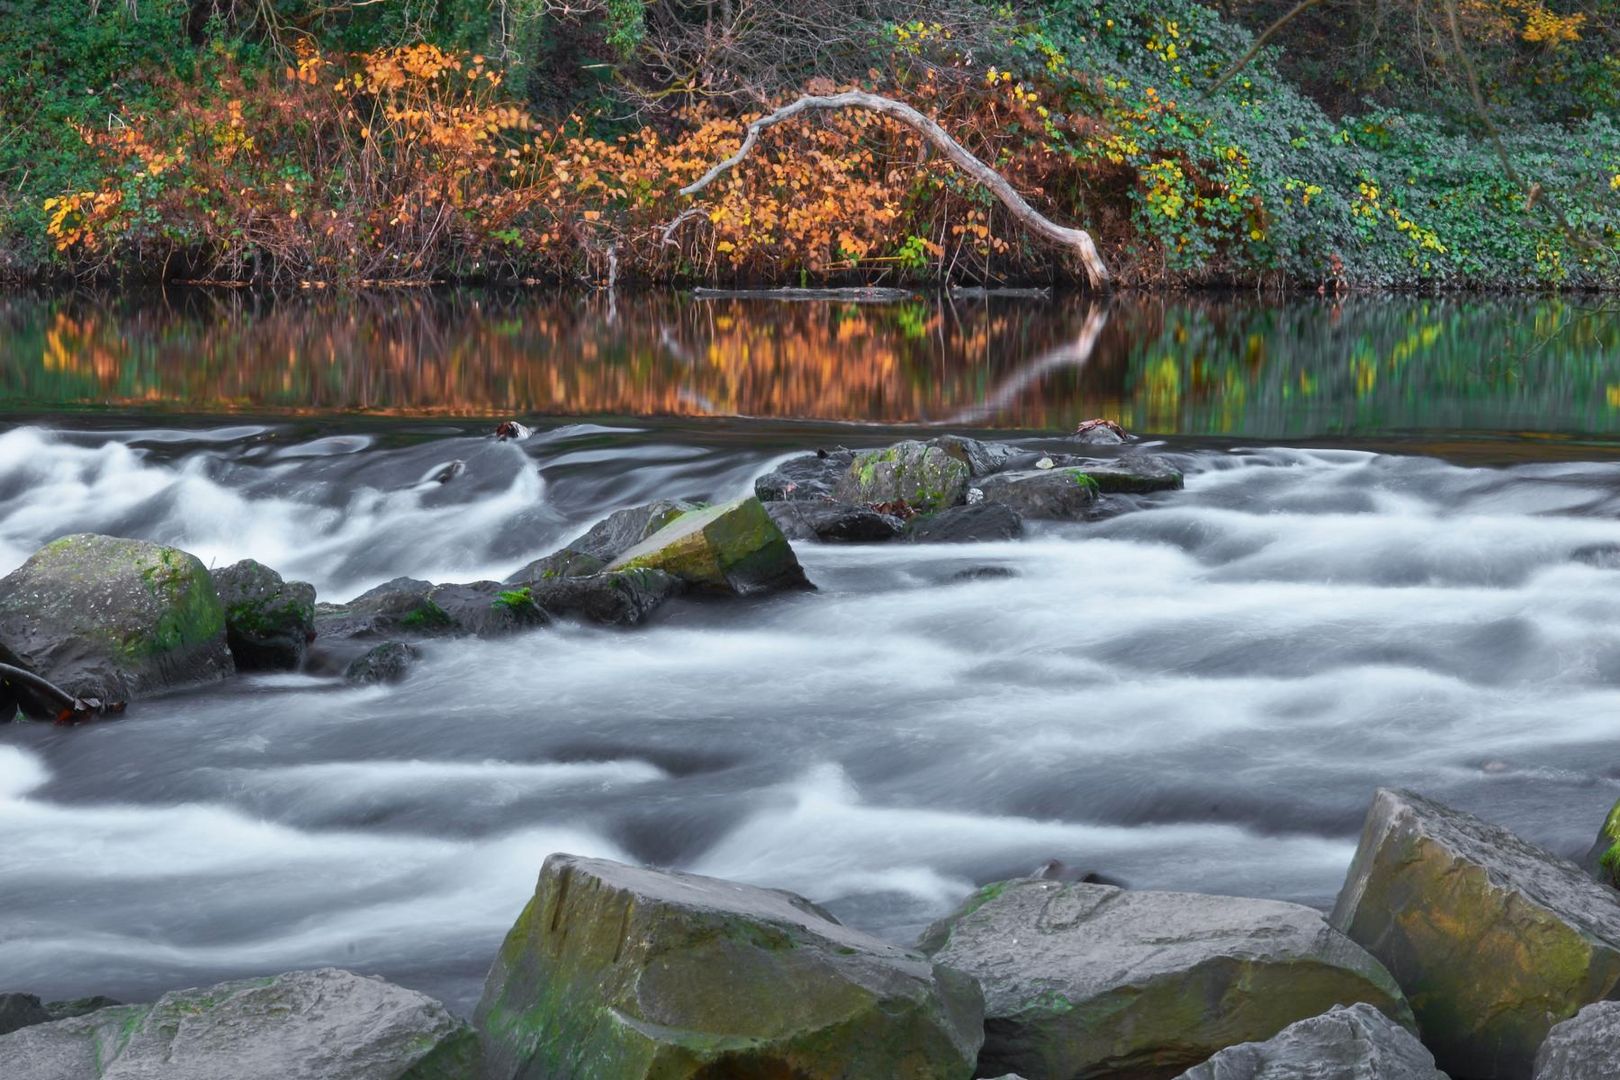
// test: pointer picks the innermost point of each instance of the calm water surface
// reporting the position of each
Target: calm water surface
(1394, 563)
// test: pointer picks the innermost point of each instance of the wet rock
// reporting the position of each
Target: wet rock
(1136, 474)
(1493, 939)
(810, 477)
(978, 523)
(21, 1010)
(307, 1025)
(1585, 1047)
(1049, 494)
(1099, 433)
(984, 573)
(617, 971)
(1355, 1042)
(922, 476)
(732, 548)
(623, 598)
(564, 563)
(412, 608)
(1603, 858)
(981, 458)
(591, 551)
(1602, 556)
(268, 622)
(1085, 980)
(832, 522)
(389, 662)
(112, 619)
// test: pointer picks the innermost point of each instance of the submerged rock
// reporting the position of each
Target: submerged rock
(734, 547)
(622, 598)
(112, 619)
(307, 1025)
(1585, 1047)
(1084, 980)
(1052, 494)
(809, 477)
(978, 523)
(389, 662)
(1493, 939)
(617, 971)
(1355, 1042)
(268, 622)
(926, 477)
(833, 522)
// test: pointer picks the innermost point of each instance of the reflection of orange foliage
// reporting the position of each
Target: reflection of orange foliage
(657, 355)
(407, 162)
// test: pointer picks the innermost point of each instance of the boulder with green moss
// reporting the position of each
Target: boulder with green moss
(1086, 980)
(112, 619)
(1493, 939)
(620, 598)
(924, 477)
(614, 971)
(407, 608)
(306, 1025)
(1603, 860)
(734, 548)
(591, 551)
(268, 622)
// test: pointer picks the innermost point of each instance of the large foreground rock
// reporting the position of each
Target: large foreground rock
(613, 971)
(112, 619)
(307, 1025)
(734, 547)
(268, 622)
(1494, 940)
(1084, 980)
(925, 477)
(1355, 1042)
(1584, 1047)
(603, 542)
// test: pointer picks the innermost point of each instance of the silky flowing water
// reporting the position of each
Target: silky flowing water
(1397, 562)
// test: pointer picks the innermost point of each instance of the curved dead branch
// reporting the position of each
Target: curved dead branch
(1077, 241)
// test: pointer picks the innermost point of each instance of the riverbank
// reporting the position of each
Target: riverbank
(346, 158)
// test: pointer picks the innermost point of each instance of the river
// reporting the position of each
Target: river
(1396, 562)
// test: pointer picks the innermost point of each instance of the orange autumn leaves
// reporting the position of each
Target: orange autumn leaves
(410, 163)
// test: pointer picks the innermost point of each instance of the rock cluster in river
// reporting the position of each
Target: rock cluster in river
(1455, 946)
(113, 619)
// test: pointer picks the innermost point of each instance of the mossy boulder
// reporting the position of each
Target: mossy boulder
(306, 1025)
(591, 551)
(113, 619)
(268, 622)
(1355, 1042)
(924, 477)
(1603, 860)
(614, 971)
(1066, 494)
(1493, 939)
(734, 548)
(410, 608)
(1083, 980)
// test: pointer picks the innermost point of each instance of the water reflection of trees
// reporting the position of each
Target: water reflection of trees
(1231, 365)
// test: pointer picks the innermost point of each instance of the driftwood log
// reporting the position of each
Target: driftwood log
(1076, 241)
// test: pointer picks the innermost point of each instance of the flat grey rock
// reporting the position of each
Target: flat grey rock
(1355, 1042)
(1085, 980)
(1058, 494)
(306, 1025)
(1493, 939)
(1584, 1047)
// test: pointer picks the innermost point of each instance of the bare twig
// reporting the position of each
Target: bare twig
(1260, 42)
(1076, 240)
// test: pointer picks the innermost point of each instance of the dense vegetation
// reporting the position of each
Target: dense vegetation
(1404, 143)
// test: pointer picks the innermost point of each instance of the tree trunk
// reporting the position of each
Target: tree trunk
(1077, 241)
